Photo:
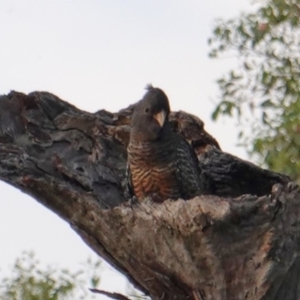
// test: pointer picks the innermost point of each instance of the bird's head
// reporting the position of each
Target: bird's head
(150, 116)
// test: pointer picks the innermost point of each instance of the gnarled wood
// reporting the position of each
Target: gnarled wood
(209, 247)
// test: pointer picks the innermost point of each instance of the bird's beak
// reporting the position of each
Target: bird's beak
(160, 117)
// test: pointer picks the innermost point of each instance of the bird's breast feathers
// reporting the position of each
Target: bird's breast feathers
(154, 181)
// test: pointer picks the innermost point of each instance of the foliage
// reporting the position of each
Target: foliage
(30, 281)
(263, 92)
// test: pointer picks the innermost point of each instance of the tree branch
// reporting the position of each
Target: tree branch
(73, 162)
(115, 296)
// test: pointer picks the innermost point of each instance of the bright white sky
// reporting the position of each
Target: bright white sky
(100, 54)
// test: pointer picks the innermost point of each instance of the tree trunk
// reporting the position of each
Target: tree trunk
(209, 247)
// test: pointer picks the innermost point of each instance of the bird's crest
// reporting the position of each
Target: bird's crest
(149, 87)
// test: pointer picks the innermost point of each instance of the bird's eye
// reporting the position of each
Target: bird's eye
(146, 110)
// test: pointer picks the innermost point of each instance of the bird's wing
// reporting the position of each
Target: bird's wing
(187, 170)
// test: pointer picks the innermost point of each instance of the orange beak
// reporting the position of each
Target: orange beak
(160, 117)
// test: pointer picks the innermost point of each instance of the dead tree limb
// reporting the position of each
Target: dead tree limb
(73, 162)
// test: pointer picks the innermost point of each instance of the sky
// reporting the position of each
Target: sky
(101, 54)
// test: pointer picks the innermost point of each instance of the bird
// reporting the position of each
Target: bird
(161, 164)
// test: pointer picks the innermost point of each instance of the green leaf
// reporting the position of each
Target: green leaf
(216, 112)
(268, 77)
(267, 103)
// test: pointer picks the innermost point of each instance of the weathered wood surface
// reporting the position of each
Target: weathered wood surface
(73, 162)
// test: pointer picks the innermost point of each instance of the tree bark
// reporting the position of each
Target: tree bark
(209, 247)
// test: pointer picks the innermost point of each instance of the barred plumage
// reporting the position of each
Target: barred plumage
(161, 163)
